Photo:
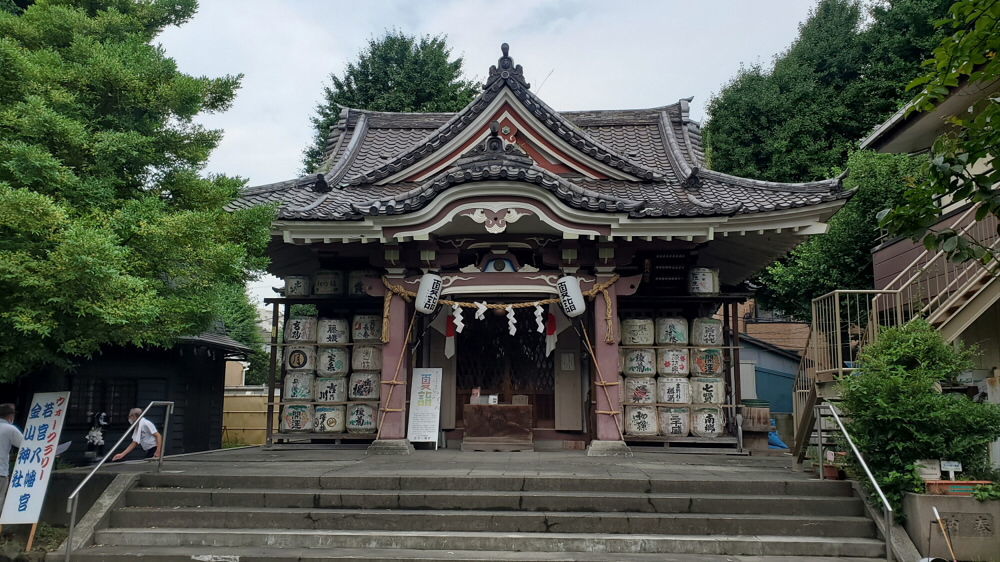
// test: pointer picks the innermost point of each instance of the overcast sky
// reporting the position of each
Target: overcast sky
(577, 54)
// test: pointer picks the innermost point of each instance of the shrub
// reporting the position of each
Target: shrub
(898, 415)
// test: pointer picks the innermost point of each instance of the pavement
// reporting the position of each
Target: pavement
(448, 462)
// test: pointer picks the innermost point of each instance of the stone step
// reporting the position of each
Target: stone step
(394, 520)
(187, 554)
(694, 483)
(758, 545)
(493, 500)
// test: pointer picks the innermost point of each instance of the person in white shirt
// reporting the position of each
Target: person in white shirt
(145, 436)
(10, 437)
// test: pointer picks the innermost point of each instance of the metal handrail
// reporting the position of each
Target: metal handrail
(887, 511)
(74, 497)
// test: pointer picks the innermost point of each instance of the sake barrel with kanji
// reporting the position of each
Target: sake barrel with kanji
(674, 421)
(333, 361)
(640, 390)
(331, 419)
(356, 282)
(707, 420)
(328, 283)
(298, 385)
(300, 358)
(366, 358)
(361, 419)
(330, 389)
(638, 331)
(298, 286)
(672, 362)
(673, 390)
(300, 329)
(671, 331)
(364, 386)
(640, 420)
(706, 331)
(296, 418)
(707, 362)
(703, 281)
(639, 362)
(333, 331)
(708, 390)
(366, 328)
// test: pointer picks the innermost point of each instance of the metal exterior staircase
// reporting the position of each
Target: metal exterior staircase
(950, 295)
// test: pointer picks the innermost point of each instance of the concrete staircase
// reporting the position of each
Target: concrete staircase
(371, 517)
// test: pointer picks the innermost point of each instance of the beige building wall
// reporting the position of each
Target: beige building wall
(244, 415)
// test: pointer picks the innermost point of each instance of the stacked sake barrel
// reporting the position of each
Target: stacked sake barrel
(297, 412)
(328, 283)
(365, 382)
(673, 387)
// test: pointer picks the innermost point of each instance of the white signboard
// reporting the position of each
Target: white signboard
(425, 406)
(35, 459)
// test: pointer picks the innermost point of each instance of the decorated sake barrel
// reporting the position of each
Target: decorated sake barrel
(300, 358)
(366, 327)
(707, 421)
(356, 282)
(706, 362)
(300, 329)
(708, 390)
(671, 331)
(330, 389)
(640, 420)
(328, 283)
(331, 419)
(333, 331)
(366, 358)
(298, 385)
(640, 390)
(673, 390)
(638, 331)
(298, 286)
(361, 419)
(706, 331)
(296, 417)
(639, 362)
(672, 362)
(703, 281)
(364, 386)
(674, 421)
(333, 361)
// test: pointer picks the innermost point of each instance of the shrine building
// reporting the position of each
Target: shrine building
(495, 215)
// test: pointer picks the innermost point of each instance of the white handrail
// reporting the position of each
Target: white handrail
(887, 513)
(74, 496)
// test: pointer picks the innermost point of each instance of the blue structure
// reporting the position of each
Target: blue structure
(774, 369)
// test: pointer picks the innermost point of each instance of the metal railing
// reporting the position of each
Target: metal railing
(74, 497)
(887, 511)
(843, 323)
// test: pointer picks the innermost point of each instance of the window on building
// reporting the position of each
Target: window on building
(114, 396)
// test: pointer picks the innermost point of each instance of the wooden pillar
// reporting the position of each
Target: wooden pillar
(607, 363)
(392, 411)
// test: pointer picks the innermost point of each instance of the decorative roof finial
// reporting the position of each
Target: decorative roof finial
(506, 71)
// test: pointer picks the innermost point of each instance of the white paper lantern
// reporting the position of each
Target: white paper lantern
(570, 296)
(428, 293)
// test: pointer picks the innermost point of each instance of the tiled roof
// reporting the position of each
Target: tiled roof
(660, 146)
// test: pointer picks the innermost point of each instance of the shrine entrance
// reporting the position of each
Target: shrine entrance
(513, 368)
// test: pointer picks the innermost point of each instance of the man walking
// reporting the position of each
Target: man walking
(145, 436)
(10, 437)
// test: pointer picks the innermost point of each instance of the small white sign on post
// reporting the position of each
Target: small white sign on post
(425, 406)
(951, 467)
(29, 479)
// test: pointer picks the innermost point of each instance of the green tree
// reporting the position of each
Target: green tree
(239, 316)
(395, 72)
(963, 163)
(109, 232)
(841, 258)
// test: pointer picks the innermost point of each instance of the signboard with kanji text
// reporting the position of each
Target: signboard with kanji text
(35, 459)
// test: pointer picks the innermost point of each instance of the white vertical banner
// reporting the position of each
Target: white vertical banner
(425, 406)
(36, 458)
